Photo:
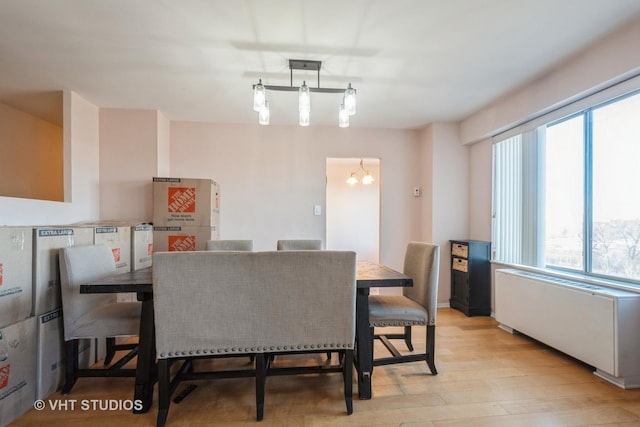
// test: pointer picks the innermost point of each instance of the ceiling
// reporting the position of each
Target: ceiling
(411, 61)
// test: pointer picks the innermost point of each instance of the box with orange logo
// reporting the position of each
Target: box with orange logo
(185, 202)
(16, 289)
(141, 246)
(17, 369)
(179, 239)
(118, 238)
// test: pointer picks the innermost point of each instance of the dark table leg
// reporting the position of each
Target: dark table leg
(146, 370)
(364, 351)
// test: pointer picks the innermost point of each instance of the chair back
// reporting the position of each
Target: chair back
(422, 264)
(299, 245)
(230, 245)
(209, 303)
(80, 265)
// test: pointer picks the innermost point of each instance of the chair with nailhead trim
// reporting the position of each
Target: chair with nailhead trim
(230, 303)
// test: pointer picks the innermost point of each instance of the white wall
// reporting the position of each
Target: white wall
(446, 193)
(353, 210)
(271, 177)
(480, 190)
(609, 60)
(133, 149)
(81, 173)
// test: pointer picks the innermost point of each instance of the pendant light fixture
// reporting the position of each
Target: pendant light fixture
(343, 117)
(263, 114)
(361, 175)
(347, 106)
(259, 96)
(304, 104)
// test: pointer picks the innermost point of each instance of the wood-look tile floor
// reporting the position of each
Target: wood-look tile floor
(486, 377)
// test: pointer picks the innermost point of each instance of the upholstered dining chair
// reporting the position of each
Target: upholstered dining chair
(232, 303)
(93, 316)
(416, 306)
(299, 245)
(230, 245)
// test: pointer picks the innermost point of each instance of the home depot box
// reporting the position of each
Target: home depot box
(118, 238)
(177, 239)
(47, 241)
(185, 202)
(50, 368)
(17, 369)
(141, 246)
(16, 288)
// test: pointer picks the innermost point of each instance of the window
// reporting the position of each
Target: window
(566, 194)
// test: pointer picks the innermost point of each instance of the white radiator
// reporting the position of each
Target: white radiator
(597, 325)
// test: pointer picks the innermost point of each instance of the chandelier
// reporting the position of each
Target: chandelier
(261, 104)
(361, 175)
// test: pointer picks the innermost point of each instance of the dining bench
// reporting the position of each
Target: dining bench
(221, 304)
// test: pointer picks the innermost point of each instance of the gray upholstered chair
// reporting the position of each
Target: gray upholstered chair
(243, 303)
(230, 245)
(417, 306)
(93, 316)
(299, 245)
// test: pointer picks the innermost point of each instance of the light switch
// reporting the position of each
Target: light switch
(317, 210)
(416, 191)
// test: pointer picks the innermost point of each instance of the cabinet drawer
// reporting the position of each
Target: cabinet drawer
(460, 250)
(460, 264)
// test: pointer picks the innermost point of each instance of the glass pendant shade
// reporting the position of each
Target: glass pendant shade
(343, 117)
(304, 118)
(350, 100)
(367, 179)
(263, 115)
(259, 96)
(352, 180)
(304, 98)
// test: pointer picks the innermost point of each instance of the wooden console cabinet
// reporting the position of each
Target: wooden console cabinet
(471, 277)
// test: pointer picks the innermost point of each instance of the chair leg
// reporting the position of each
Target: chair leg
(71, 365)
(111, 351)
(260, 383)
(431, 348)
(164, 399)
(347, 373)
(407, 337)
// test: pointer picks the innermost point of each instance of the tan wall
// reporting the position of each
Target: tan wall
(31, 163)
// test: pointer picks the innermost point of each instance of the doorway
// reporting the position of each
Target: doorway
(353, 210)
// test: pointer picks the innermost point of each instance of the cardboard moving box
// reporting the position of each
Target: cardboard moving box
(179, 239)
(141, 246)
(17, 369)
(185, 202)
(51, 355)
(16, 287)
(47, 242)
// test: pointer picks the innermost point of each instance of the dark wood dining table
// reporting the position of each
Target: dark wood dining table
(369, 274)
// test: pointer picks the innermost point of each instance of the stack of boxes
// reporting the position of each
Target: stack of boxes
(47, 305)
(31, 322)
(186, 214)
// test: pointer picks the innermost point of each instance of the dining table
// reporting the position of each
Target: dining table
(369, 275)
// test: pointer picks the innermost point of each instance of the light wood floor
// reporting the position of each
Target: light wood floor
(487, 377)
